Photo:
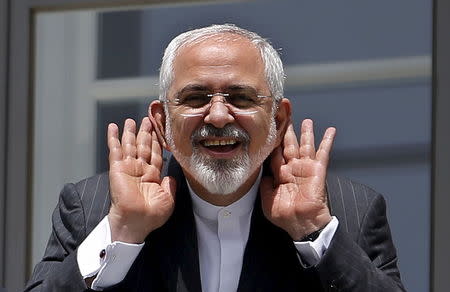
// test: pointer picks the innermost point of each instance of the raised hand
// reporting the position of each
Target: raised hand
(295, 198)
(140, 200)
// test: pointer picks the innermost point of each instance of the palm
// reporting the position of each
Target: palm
(127, 179)
(140, 199)
(295, 198)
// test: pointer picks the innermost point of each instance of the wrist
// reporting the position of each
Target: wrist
(312, 236)
(311, 229)
(127, 232)
(124, 235)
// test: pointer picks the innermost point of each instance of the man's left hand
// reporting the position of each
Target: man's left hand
(295, 198)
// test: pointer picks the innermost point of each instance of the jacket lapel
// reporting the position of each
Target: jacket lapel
(261, 263)
(270, 260)
(183, 264)
(188, 272)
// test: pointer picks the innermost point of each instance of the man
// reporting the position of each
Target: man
(242, 205)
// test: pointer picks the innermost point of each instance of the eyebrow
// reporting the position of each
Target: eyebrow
(238, 86)
(198, 87)
(191, 87)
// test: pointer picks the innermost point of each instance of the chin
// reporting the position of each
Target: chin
(217, 176)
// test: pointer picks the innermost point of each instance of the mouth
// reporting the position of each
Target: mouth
(220, 147)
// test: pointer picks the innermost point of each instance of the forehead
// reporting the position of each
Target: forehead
(222, 41)
(224, 58)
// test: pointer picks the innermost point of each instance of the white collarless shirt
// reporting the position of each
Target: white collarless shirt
(222, 234)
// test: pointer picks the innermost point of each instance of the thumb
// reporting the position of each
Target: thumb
(266, 186)
(169, 184)
(267, 195)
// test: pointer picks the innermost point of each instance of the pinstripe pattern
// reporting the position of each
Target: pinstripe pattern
(343, 205)
(356, 209)
(361, 256)
(369, 240)
(80, 209)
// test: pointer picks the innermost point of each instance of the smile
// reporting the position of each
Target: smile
(208, 143)
(220, 148)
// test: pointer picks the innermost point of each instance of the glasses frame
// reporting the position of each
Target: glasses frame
(203, 109)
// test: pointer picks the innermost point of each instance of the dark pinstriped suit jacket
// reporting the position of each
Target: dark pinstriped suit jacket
(361, 256)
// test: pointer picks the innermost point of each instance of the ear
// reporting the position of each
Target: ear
(157, 117)
(282, 118)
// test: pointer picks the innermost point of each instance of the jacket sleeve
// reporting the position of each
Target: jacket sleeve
(368, 263)
(58, 269)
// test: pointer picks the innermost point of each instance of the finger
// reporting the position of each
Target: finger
(115, 149)
(129, 138)
(307, 148)
(323, 154)
(276, 161)
(290, 144)
(156, 156)
(144, 140)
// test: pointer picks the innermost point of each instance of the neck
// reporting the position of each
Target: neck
(220, 199)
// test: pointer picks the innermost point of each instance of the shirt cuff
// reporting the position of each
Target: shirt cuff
(112, 267)
(312, 251)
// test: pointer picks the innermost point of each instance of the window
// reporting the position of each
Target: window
(371, 79)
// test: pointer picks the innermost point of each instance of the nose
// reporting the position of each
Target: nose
(219, 114)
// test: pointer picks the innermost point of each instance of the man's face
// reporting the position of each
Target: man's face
(220, 149)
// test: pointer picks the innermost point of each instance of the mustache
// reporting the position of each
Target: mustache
(229, 131)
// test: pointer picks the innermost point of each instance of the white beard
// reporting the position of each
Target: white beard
(222, 176)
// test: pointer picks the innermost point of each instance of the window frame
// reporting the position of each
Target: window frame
(16, 118)
(440, 237)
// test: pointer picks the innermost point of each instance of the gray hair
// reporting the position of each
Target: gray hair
(272, 63)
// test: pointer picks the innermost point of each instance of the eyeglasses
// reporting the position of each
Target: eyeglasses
(243, 101)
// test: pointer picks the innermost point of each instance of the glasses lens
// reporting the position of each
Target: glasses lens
(243, 99)
(193, 99)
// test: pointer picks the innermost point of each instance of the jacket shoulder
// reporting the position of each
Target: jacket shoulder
(350, 202)
(93, 193)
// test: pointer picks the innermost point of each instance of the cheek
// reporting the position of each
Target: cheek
(182, 129)
(258, 128)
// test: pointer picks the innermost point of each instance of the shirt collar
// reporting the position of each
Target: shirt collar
(241, 207)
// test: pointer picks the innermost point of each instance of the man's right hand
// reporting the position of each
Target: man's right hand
(140, 201)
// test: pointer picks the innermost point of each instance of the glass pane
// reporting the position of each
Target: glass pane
(383, 140)
(305, 31)
(119, 44)
(383, 115)
(69, 118)
(115, 111)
